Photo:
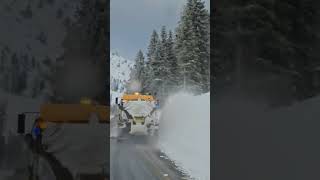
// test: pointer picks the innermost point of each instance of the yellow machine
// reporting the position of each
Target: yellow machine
(138, 113)
(136, 96)
(72, 113)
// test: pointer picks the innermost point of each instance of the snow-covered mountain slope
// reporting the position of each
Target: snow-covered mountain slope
(120, 69)
(31, 41)
(35, 28)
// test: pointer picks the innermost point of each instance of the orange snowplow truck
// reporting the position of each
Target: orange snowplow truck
(66, 113)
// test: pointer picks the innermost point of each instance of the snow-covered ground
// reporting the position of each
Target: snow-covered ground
(120, 69)
(185, 133)
(43, 19)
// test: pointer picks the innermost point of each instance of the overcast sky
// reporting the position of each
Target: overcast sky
(132, 22)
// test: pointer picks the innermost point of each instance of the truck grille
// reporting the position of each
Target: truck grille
(139, 120)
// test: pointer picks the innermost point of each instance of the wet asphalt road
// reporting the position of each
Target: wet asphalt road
(136, 158)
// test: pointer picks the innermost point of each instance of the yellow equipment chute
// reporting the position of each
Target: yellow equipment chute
(137, 96)
(73, 113)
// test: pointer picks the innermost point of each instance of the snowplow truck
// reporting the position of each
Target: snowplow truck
(138, 114)
(62, 135)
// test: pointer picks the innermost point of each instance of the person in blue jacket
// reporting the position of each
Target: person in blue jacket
(37, 132)
(157, 104)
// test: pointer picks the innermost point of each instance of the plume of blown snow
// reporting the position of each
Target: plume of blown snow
(134, 86)
(184, 134)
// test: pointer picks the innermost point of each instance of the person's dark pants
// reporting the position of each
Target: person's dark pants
(38, 143)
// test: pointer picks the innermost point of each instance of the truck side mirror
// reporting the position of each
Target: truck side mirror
(116, 100)
(21, 123)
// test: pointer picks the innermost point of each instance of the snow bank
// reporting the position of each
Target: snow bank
(185, 133)
(284, 139)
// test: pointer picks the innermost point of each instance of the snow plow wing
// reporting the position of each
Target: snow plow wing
(73, 113)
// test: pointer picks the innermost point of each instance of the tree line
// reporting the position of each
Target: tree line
(180, 59)
(277, 37)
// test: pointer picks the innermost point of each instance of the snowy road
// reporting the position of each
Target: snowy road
(136, 159)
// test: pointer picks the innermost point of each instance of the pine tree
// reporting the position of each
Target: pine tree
(172, 65)
(152, 46)
(163, 45)
(163, 61)
(151, 63)
(157, 74)
(275, 35)
(137, 72)
(192, 45)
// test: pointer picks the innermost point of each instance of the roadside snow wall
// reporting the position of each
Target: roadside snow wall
(184, 134)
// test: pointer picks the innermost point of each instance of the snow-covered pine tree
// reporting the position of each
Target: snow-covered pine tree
(203, 35)
(137, 72)
(192, 46)
(150, 63)
(163, 61)
(156, 68)
(145, 79)
(163, 47)
(173, 76)
(152, 46)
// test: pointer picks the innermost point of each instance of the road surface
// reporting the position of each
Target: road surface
(131, 158)
(135, 158)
